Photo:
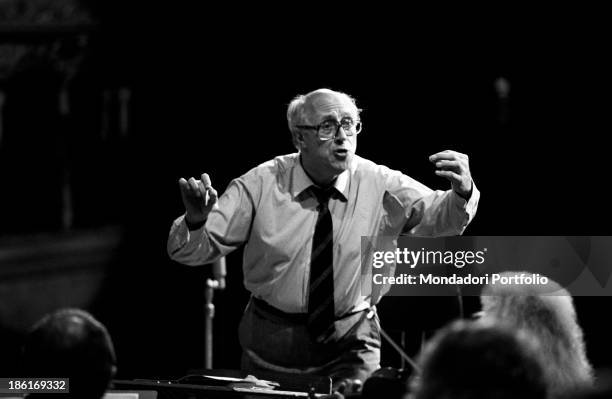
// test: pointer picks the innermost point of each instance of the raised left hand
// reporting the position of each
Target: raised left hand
(455, 167)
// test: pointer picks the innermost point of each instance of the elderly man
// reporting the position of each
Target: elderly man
(301, 217)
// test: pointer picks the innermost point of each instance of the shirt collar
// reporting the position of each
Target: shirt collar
(301, 181)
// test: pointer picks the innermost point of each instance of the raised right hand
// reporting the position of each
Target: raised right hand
(199, 198)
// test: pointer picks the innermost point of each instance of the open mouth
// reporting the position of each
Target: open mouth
(341, 151)
(341, 154)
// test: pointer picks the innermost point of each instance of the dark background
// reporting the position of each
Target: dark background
(208, 93)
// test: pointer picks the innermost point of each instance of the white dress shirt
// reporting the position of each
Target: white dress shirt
(272, 212)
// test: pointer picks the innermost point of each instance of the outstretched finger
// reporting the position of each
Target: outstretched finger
(206, 180)
(201, 189)
(183, 184)
(452, 176)
(447, 154)
(448, 165)
(193, 187)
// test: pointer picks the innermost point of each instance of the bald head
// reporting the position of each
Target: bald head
(303, 108)
(326, 101)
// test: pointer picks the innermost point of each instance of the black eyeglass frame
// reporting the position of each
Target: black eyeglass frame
(357, 126)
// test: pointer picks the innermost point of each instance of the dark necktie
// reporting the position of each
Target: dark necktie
(321, 287)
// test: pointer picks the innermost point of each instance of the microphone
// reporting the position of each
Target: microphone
(216, 283)
(219, 272)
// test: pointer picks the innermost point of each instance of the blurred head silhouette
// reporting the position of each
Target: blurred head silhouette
(71, 343)
(546, 312)
(469, 360)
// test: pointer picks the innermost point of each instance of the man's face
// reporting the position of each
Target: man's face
(325, 160)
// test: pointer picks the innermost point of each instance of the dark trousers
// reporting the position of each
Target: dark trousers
(276, 341)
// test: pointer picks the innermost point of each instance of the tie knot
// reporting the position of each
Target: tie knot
(323, 194)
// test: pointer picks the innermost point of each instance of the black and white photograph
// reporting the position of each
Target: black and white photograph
(197, 203)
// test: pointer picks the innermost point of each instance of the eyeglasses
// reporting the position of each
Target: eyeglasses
(329, 129)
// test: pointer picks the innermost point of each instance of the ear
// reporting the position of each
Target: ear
(298, 140)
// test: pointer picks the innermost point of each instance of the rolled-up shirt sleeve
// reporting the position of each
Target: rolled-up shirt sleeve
(226, 229)
(441, 213)
(430, 213)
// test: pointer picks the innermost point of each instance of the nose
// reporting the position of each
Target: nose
(341, 134)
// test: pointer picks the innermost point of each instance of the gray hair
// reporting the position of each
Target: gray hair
(548, 314)
(296, 111)
(479, 360)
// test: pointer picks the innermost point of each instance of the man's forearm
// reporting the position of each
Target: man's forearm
(187, 245)
(443, 214)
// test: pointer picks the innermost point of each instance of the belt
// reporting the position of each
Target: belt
(296, 318)
(265, 307)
